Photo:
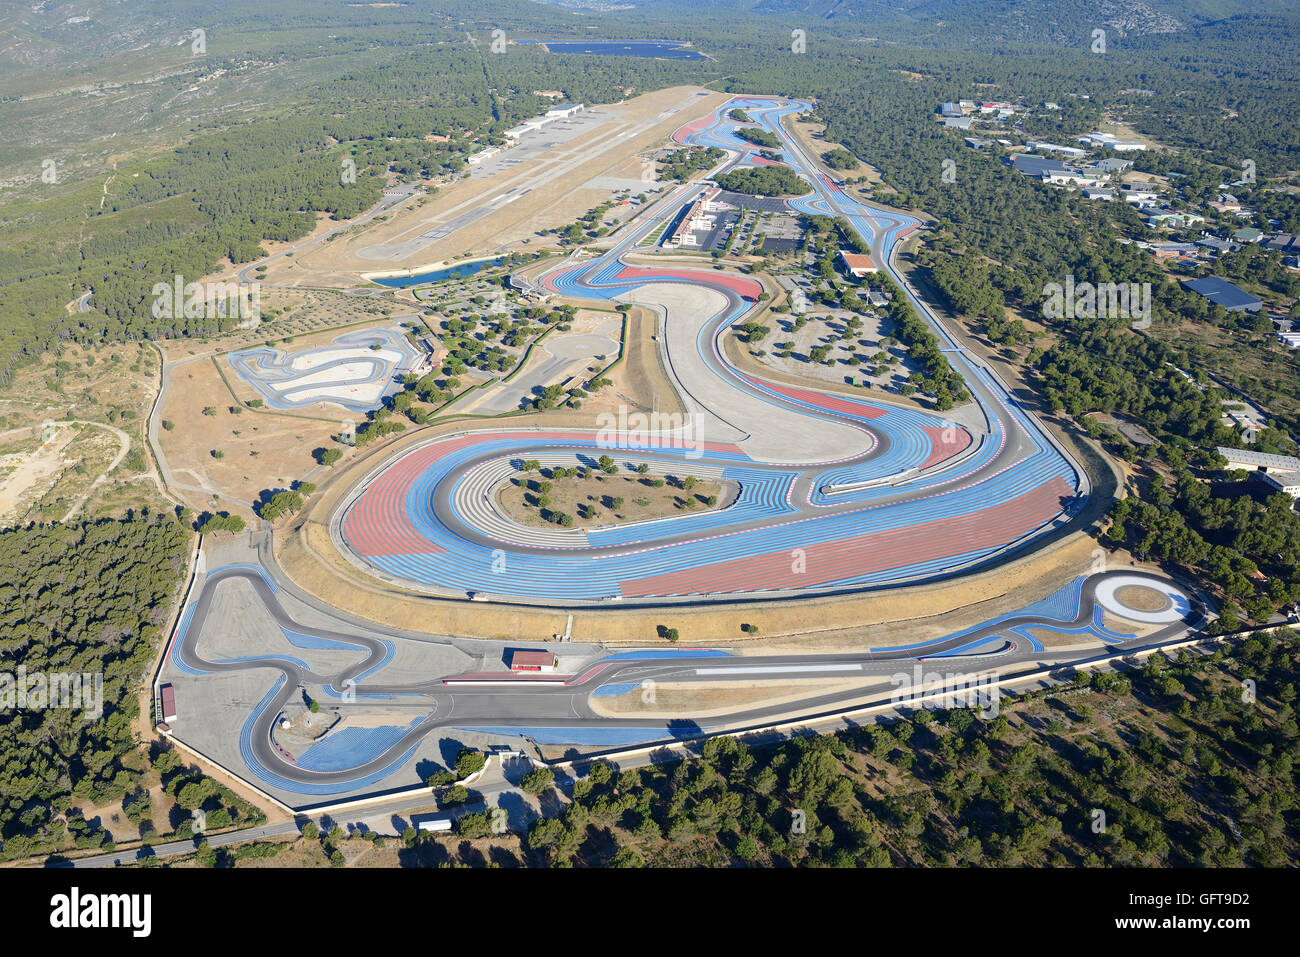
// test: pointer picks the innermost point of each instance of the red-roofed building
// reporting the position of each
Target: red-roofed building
(526, 660)
(168, 703)
(858, 264)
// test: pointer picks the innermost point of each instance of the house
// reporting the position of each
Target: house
(528, 660)
(1141, 195)
(1248, 235)
(1071, 177)
(1245, 419)
(957, 123)
(1094, 192)
(1288, 482)
(1258, 461)
(1223, 293)
(1172, 250)
(1050, 106)
(950, 109)
(975, 143)
(857, 265)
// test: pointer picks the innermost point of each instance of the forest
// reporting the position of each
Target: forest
(89, 598)
(763, 181)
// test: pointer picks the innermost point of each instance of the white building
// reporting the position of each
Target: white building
(1054, 148)
(481, 155)
(1288, 482)
(563, 112)
(1108, 140)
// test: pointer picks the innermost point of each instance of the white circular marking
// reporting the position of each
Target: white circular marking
(1177, 604)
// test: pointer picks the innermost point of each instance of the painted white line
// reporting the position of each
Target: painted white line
(774, 669)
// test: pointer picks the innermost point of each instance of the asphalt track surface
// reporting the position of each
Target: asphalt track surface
(562, 702)
(272, 372)
(914, 497)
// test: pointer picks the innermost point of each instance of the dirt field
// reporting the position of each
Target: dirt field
(810, 136)
(707, 699)
(72, 416)
(259, 450)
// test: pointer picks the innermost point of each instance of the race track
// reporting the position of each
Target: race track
(837, 493)
(558, 708)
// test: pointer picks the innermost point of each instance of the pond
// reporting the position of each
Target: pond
(664, 50)
(447, 272)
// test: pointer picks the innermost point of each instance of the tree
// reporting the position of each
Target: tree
(440, 779)
(455, 795)
(537, 780)
(469, 762)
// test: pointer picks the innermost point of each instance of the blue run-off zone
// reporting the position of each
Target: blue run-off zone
(1061, 606)
(268, 776)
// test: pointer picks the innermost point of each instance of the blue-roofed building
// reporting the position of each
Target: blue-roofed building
(950, 109)
(1223, 293)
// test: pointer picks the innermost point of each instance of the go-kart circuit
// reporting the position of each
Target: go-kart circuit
(355, 371)
(836, 493)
